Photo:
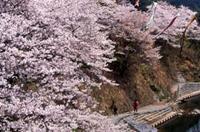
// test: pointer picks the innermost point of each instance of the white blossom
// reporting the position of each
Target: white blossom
(44, 46)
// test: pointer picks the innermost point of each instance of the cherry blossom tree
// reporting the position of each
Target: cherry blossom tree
(48, 49)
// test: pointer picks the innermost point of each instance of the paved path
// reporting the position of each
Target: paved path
(142, 114)
(155, 115)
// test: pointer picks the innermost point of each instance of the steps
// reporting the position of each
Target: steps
(161, 115)
(152, 117)
(189, 88)
(164, 119)
(186, 96)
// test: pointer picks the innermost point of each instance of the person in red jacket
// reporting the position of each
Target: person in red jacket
(135, 105)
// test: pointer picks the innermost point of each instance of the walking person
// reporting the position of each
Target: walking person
(114, 107)
(135, 105)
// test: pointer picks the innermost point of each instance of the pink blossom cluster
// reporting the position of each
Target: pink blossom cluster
(45, 47)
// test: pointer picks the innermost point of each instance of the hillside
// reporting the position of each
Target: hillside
(66, 63)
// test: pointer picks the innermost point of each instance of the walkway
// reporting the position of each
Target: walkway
(156, 115)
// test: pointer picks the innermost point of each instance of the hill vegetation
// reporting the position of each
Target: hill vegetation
(65, 63)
